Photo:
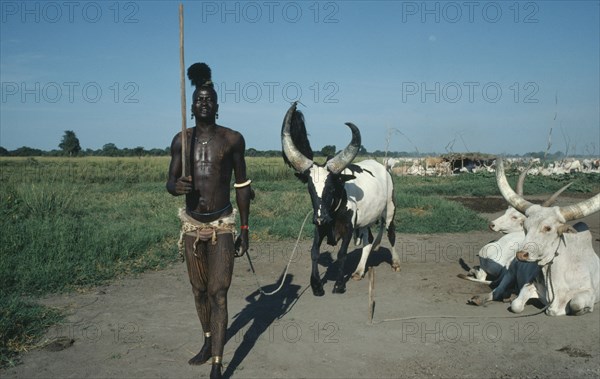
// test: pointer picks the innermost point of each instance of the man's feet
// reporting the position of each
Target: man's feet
(204, 355)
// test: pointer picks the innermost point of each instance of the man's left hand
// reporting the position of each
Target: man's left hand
(241, 243)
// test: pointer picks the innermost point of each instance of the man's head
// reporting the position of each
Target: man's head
(204, 99)
(205, 103)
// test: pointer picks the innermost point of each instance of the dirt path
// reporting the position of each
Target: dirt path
(147, 326)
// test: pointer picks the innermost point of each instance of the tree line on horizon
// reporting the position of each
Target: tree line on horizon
(70, 146)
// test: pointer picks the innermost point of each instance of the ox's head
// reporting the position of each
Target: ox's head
(544, 226)
(325, 182)
(512, 220)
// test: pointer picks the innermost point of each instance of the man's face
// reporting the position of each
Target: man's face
(205, 105)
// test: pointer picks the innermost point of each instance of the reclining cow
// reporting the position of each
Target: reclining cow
(347, 198)
(497, 258)
(570, 268)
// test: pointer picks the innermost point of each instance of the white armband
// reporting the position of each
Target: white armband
(240, 185)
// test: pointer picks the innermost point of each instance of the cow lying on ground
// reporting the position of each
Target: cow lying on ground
(570, 280)
(347, 199)
(496, 258)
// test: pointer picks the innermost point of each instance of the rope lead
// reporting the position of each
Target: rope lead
(286, 267)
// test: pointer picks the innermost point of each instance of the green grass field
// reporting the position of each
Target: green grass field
(69, 223)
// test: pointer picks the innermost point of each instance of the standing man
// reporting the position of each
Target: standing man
(208, 220)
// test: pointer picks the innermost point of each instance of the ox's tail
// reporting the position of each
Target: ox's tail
(391, 233)
(390, 210)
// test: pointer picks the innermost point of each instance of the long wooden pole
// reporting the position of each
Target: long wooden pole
(371, 293)
(184, 166)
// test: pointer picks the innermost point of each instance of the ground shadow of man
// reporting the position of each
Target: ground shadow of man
(259, 314)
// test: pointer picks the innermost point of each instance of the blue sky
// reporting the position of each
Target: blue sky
(487, 76)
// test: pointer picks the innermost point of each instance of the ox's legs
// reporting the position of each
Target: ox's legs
(340, 283)
(557, 308)
(529, 291)
(503, 289)
(581, 303)
(377, 241)
(498, 293)
(390, 212)
(315, 279)
(481, 299)
(479, 274)
(366, 250)
(475, 274)
(391, 233)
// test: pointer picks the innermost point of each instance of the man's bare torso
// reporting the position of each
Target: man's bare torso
(211, 169)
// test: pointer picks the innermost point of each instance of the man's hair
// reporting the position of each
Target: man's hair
(201, 76)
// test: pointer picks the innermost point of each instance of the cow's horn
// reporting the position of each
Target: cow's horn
(521, 180)
(552, 199)
(509, 195)
(581, 209)
(298, 161)
(338, 163)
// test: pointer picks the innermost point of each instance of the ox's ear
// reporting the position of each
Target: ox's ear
(345, 177)
(565, 228)
(302, 176)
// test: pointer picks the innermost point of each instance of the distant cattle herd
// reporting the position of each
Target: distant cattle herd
(440, 166)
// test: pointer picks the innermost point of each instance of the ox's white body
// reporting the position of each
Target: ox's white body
(347, 198)
(570, 266)
(497, 259)
(569, 282)
(370, 198)
(514, 274)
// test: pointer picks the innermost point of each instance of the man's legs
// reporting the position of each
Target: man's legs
(197, 267)
(220, 263)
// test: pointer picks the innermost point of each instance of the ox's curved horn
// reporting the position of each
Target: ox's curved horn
(521, 180)
(553, 198)
(298, 161)
(581, 209)
(509, 195)
(338, 163)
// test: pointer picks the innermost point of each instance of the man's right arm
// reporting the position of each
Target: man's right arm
(176, 184)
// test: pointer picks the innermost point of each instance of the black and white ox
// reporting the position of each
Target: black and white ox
(570, 281)
(347, 198)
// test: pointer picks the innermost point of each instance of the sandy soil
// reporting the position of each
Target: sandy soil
(422, 327)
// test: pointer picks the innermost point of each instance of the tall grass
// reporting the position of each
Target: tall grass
(71, 222)
(58, 236)
(68, 223)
